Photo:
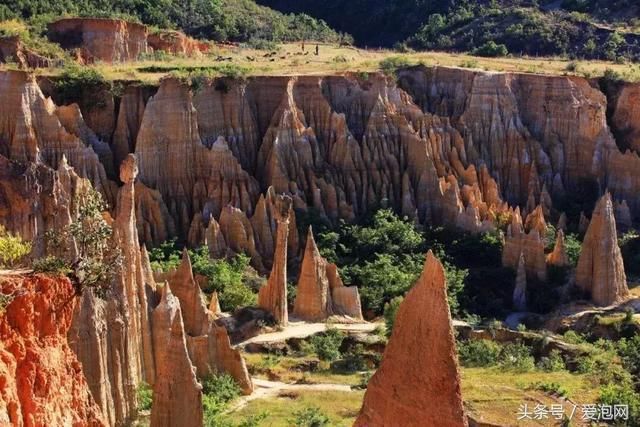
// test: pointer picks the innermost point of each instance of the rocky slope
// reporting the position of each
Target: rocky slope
(41, 380)
(418, 384)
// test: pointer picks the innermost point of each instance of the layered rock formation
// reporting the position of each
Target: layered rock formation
(13, 50)
(418, 384)
(177, 395)
(112, 336)
(176, 43)
(531, 245)
(41, 381)
(559, 256)
(107, 40)
(208, 344)
(600, 270)
(272, 297)
(321, 293)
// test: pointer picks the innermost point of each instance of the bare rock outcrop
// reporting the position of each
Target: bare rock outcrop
(559, 256)
(112, 336)
(600, 271)
(177, 395)
(321, 293)
(176, 42)
(520, 291)
(272, 296)
(95, 39)
(208, 344)
(530, 244)
(418, 385)
(41, 380)
(13, 50)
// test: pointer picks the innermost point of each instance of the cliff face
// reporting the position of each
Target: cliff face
(418, 382)
(41, 380)
(107, 40)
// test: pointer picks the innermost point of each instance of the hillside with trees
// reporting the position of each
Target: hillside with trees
(575, 28)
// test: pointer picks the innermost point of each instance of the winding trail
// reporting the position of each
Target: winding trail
(297, 329)
(265, 389)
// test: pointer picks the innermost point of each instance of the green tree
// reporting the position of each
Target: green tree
(12, 248)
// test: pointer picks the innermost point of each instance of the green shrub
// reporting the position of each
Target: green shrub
(622, 394)
(310, 417)
(478, 353)
(74, 81)
(553, 363)
(222, 387)
(491, 49)
(145, 396)
(392, 64)
(327, 345)
(516, 357)
(390, 312)
(52, 265)
(12, 248)
(353, 360)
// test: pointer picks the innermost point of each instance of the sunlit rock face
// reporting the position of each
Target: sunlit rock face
(418, 384)
(41, 380)
(106, 40)
(321, 293)
(600, 270)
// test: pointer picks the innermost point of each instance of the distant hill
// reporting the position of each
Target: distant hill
(221, 20)
(581, 28)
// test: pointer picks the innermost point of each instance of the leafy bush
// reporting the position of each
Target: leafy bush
(75, 81)
(310, 417)
(12, 248)
(390, 312)
(478, 353)
(491, 49)
(217, 392)
(353, 360)
(622, 394)
(516, 357)
(629, 351)
(145, 396)
(96, 259)
(553, 363)
(52, 265)
(392, 64)
(327, 345)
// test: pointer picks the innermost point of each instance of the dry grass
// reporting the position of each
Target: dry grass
(333, 59)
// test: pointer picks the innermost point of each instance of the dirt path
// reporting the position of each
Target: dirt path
(266, 389)
(303, 330)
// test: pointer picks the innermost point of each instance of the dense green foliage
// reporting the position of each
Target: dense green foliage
(233, 279)
(237, 20)
(383, 255)
(327, 345)
(310, 417)
(217, 392)
(144, 394)
(478, 353)
(390, 313)
(488, 27)
(12, 248)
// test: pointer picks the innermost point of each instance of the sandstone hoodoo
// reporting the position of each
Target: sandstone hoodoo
(559, 256)
(208, 344)
(418, 385)
(600, 272)
(272, 297)
(320, 293)
(41, 380)
(177, 395)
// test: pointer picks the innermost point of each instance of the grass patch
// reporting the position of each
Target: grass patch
(341, 407)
